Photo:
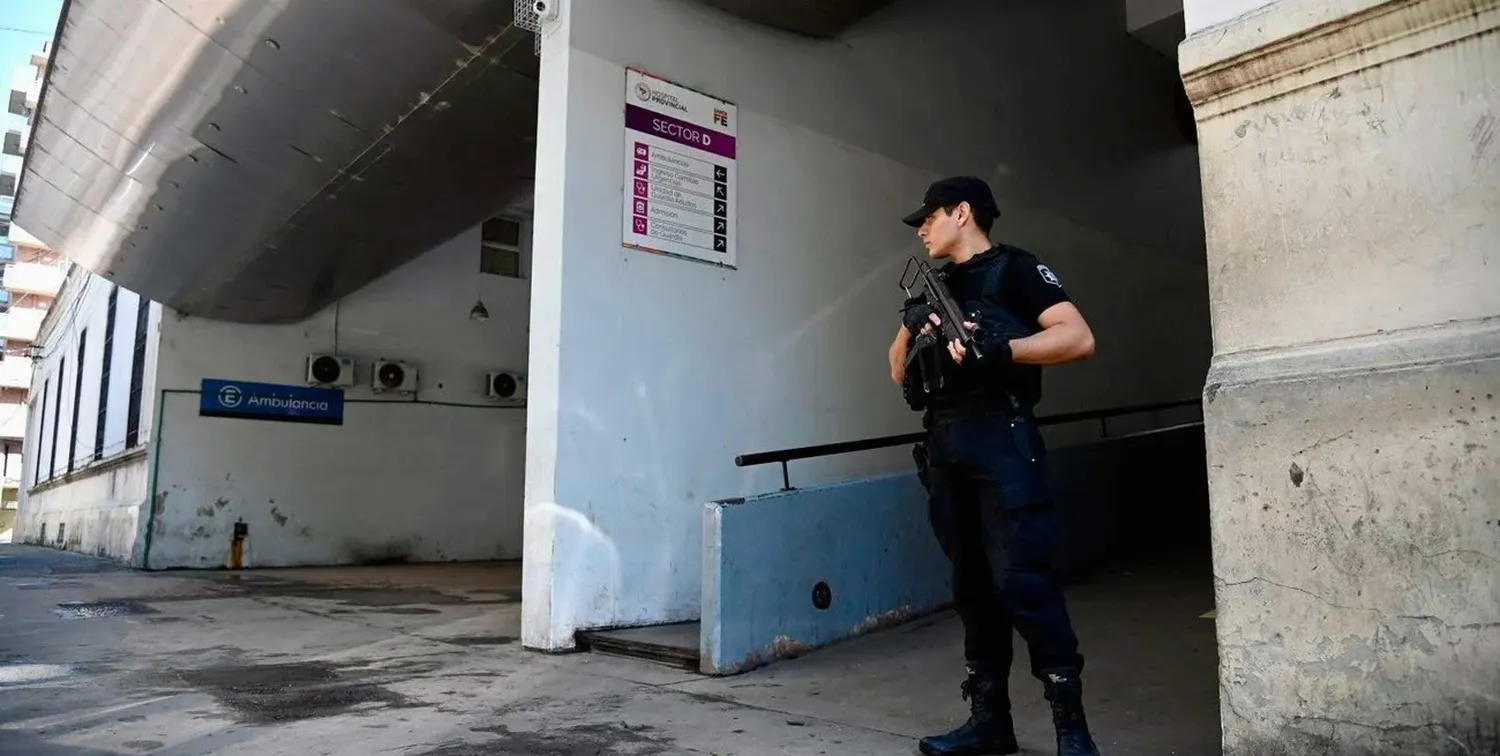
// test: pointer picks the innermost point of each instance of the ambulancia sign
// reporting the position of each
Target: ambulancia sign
(268, 401)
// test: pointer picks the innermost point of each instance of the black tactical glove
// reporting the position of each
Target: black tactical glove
(915, 314)
(996, 347)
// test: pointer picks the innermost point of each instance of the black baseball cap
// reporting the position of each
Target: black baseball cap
(951, 191)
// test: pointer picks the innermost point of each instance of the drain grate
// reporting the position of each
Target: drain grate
(90, 610)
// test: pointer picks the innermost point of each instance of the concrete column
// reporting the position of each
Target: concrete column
(1350, 157)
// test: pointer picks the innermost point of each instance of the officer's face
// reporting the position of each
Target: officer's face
(940, 233)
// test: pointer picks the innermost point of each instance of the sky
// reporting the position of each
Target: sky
(25, 25)
(20, 20)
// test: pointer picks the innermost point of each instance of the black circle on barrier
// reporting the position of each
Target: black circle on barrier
(822, 595)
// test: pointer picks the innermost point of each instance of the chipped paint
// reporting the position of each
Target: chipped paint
(884, 620)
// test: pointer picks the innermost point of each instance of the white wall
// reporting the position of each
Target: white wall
(437, 479)
(100, 513)
(650, 374)
(1201, 14)
(85, 309)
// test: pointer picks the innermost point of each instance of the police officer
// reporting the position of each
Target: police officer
(988, 501)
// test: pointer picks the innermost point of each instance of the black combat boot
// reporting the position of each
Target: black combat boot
(1065, 691)
(989, 731)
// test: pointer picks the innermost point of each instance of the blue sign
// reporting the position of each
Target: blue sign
(269, 401)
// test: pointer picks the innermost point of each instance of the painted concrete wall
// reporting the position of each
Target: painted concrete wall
(83, 312)
(870, 543)
(1201, 14)
(765, 557)
(1351, 182)
(99, 513)
(99, 500)
(438, 478)
(650, 374)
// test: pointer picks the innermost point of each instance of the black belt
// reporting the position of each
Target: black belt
(947, 408)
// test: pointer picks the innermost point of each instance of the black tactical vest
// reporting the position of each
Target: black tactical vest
(978, 287)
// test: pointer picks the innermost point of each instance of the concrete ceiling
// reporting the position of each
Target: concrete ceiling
(814, 18)
(255, 160)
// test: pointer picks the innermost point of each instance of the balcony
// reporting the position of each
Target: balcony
(33, 278)
(21, 323)
(13, 421)
(15, 373)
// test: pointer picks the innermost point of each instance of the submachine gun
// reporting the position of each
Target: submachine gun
(931, 345)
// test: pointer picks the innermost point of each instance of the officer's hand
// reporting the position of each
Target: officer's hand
(956, 349)
(917, 317)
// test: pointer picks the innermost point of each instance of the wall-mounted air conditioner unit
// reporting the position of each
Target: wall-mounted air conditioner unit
(506, 386)
(393, 375)
(330, 370)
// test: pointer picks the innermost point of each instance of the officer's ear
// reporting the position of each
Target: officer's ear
(963, 213)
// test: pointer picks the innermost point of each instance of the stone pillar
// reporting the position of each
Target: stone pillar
(1350, 155)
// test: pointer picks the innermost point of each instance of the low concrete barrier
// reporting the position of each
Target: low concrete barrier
(770, 562)
(787, 572)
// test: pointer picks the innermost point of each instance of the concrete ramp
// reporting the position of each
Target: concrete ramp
(787, 572)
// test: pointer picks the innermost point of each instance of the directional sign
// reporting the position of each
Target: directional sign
(268, 401)
(680, 160)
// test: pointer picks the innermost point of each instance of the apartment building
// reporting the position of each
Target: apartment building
(30, 278)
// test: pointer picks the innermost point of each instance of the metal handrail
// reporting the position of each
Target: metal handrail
(784, 456)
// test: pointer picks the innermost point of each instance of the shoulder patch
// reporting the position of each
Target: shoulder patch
(1048, 275)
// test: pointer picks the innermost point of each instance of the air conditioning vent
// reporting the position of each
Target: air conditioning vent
(507, 387)
(392, 375)
(330, 370)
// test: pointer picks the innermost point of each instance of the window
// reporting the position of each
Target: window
(137, 374)
(62, 366)
(83, 339)
(41, 428)
(500, 248)
(109, 356)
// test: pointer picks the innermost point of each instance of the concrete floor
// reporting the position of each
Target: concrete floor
(422, 661)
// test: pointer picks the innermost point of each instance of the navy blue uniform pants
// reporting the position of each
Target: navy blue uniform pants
(993, 515)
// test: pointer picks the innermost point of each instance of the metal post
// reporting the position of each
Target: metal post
(786, 481)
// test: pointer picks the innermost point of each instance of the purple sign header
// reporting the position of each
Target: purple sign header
(681, 132)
